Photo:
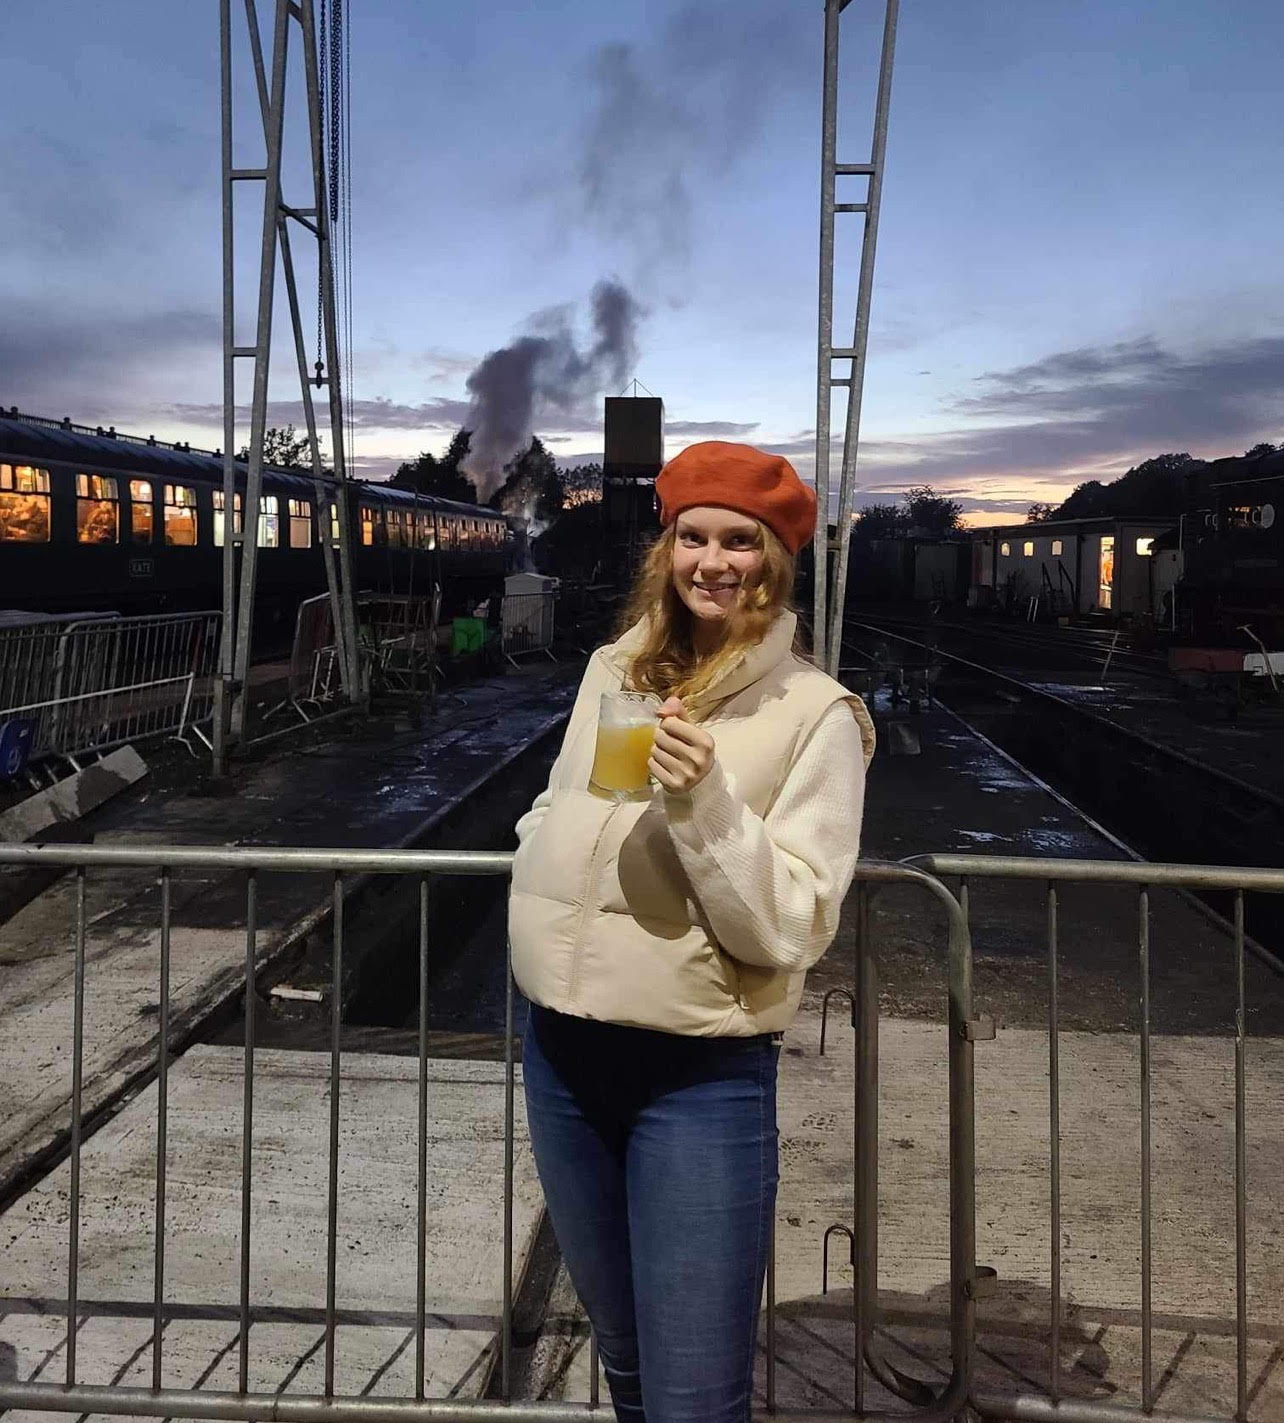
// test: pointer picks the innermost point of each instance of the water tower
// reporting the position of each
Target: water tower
(634, 452)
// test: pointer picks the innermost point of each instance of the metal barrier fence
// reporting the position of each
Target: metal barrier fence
(526, 623)
(969, 871)
(346, 868)
(99, 683)
(397, 645)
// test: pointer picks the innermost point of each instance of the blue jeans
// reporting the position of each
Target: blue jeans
(658, 1158)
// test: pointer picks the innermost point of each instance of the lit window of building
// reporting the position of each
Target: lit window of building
(1056, 548)
(1028, 549)
(1143, 547)
(1005, 549)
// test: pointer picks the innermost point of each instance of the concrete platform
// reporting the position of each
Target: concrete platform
(358, 786)
(375, 1288)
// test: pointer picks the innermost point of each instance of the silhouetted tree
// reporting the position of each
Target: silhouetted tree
(881, 521)
(581, 484)
(1265, 448)
(440, 477)
(1038, 513)
(532, 486)
(282, 448)
(931, 513)
(1155, 487)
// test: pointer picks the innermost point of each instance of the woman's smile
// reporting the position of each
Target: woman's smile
(723, 594)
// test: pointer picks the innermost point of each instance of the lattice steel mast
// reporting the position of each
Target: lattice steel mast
(240, 547)
(831, 578)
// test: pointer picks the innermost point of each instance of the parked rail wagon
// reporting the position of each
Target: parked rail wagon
(91, 520)
(1110, 567)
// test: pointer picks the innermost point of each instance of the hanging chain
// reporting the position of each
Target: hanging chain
(322, 75)
(336, 104)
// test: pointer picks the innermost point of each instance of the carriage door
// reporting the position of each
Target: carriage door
(1106, 577)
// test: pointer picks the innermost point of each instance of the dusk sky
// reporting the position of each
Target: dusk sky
(1079, 262)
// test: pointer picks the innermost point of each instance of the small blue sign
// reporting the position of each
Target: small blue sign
(15, 745)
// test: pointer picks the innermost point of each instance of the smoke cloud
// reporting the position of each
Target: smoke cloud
(674, 115)
(546, 373)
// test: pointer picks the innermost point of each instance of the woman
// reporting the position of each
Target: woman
(663, 943)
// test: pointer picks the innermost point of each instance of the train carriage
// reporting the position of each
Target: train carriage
(94, 520)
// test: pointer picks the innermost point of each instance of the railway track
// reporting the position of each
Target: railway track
(1161, 802)
(1075, 649)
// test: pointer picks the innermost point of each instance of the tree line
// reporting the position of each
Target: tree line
(1162, 485)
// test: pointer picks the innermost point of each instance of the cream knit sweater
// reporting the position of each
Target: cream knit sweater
(772, 888)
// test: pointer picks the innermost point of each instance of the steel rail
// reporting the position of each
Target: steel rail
(1141, 738)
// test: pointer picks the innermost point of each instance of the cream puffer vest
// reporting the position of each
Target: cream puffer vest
(603, 921)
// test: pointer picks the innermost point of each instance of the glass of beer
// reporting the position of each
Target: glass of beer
(625, 733)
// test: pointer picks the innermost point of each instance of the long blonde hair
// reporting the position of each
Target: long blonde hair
(667, 663)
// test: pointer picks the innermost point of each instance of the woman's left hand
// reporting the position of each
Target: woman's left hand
(683, 754)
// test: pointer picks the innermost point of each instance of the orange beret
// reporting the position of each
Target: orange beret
(738, 477)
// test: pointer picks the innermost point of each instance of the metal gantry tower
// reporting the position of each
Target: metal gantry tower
(831, 559)
(240, 545)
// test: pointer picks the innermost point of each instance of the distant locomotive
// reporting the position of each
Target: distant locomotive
(1234, 561)
(92, 520)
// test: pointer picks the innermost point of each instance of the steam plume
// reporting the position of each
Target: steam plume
(674, 114)
(545, 372)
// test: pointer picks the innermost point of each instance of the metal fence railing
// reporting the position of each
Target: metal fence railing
(342, 872)
(527, 623)
(1050, 877)
(99, 683)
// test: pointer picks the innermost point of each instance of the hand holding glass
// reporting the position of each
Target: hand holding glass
(625, 734)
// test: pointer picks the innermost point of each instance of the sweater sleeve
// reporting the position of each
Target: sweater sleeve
(772, 888)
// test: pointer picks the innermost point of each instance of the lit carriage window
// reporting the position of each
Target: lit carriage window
(425, 534)
(396, 528)
(141, 521)
(1005, 549)
(97, 509)
(1143, 547)
(367, 525)
(300, 523)
(1056, 548)
(24, 504)
(219, 522)
(1028, 549)
(334, 523)
(180, 515)
(269, 522)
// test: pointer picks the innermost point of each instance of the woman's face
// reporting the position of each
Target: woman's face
(715, 553)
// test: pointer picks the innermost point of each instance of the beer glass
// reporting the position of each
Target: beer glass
(625, 733)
